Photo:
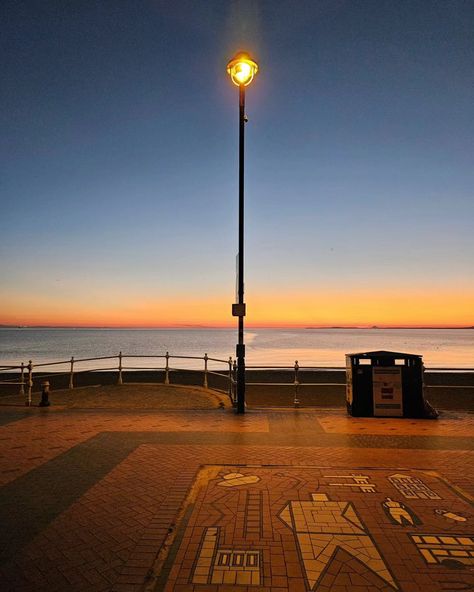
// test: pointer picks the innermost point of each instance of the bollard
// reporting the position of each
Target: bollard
(296, 402)
(205, 370)
(167, 369)
(30, 384)
(71, 374)
(44, 394)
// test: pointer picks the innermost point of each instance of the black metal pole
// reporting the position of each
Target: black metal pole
(240, 350)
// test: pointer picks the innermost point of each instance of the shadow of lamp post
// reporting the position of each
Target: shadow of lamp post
(242, 70)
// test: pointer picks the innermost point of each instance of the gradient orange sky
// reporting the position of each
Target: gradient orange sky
(358, 308)
(119, 148)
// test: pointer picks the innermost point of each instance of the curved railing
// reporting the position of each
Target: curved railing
(24, 375)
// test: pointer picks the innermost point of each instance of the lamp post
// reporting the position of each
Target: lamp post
(242, 70)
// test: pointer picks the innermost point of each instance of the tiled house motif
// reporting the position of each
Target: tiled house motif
(217, 565)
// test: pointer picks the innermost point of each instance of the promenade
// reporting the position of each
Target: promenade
(205, 500)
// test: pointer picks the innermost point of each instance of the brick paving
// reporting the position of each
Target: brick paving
(123, 501)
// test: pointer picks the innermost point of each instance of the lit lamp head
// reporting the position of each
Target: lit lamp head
(242, 69)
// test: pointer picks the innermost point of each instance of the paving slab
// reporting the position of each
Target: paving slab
(121, 500)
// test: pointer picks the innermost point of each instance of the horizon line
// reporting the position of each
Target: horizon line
(249, 326)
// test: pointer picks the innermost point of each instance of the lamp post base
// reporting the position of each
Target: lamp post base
(240, 355)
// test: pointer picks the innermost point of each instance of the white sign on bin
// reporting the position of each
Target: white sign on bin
(387, 391)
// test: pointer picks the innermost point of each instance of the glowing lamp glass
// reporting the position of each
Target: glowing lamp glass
(242, 70)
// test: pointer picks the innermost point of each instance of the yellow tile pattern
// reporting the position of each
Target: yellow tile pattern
(437, 548)
(233, 479)
(360, 482)
(412, 487)
(321, 526)
(226, 566)
(206, 555)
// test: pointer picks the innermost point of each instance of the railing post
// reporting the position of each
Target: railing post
(119, 381)
(234, 382)
(167, 369)
(231, 390)
(22, 380)
(71, 374)
(296, 402)
(205, 370)
(30, 384)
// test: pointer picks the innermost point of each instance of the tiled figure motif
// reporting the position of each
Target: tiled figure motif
(360, 482)
(438, 548)
(399, 513)
(412, 487)
(225, 566)
(321, 526)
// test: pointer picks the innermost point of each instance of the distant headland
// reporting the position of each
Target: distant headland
(405, 328)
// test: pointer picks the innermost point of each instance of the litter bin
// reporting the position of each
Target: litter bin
(385, 384)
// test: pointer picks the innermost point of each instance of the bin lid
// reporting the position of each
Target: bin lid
(384, 354)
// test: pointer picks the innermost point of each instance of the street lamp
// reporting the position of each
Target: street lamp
(242, 70)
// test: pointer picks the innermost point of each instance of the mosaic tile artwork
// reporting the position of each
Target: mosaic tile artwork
(321, 526)
(360, 482)
(287, 527)
(450, 515)
(234, 479)
(412, 487)
(399, 513)
(439, 549)
(217, 565)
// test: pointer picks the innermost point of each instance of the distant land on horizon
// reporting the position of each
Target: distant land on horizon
(397, 327)
(190, 326)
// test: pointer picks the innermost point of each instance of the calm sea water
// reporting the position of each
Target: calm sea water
(311, 347)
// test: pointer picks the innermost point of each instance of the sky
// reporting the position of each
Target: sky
(119, 152)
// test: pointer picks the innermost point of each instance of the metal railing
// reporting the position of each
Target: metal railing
(296, 382)
(296, 371)
(25, 374)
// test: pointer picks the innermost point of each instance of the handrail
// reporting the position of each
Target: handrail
(449, 369)
(120, 368)
(27, 374)
(76, 360)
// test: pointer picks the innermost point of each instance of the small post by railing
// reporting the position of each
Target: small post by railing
(30, 384)
(231, 390)
(71, 374)
(234, 383)
(167, 369)
(22, 380)
(296, 401)
(205, 370)
(44, 394)
(119, 381)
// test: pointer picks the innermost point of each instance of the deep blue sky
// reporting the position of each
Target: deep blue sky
(119, 154)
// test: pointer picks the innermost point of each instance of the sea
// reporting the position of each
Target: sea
(440, 348)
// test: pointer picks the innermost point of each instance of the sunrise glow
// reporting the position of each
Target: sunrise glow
(327, 309)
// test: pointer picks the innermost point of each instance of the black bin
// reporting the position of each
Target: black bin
(385, 384)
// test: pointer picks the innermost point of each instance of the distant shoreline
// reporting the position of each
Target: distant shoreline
(231, 327)
(391, 328)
